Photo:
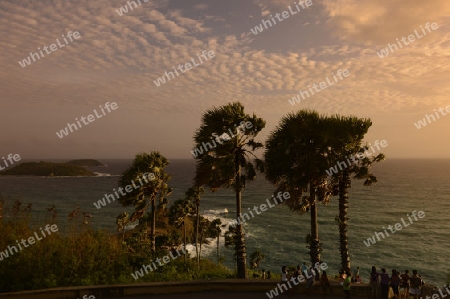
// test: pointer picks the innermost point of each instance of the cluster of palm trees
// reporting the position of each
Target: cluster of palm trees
(298, 153)
(296, 156)
(182, 210)
(156, 191)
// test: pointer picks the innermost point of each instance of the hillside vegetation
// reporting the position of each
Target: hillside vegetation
(85, 162)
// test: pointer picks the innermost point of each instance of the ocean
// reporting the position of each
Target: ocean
(403, 186)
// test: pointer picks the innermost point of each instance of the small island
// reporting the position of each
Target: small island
(86, 163)
(44, 168)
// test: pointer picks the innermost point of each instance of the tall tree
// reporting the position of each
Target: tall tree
(203, 227)
(148, 182)
(215, 231)
(194, 194)
(227, 134)
(255, 258)
(349, 157)
(179, 212)
(122, 220)
(295, 161)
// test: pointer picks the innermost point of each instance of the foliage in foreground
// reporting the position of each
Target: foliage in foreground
(81, 258)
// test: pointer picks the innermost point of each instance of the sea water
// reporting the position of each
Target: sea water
(403, 186)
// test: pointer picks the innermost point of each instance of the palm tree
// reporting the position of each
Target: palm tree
(345, 142)
(179, 212)
(149, 190)
(122, 220)
(230, 239)
(194, 194)
(255, 258)
(295, 161)
(215, 231)
(204, 226)
(227, 164)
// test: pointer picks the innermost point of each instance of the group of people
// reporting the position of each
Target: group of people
(310, 274)
(355, 278)
(381, 281)
(303, 273)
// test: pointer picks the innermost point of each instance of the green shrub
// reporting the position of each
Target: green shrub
(84, 257)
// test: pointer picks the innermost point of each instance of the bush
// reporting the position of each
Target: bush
(84, 257)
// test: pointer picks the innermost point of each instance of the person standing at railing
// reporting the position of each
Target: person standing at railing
(395, 282)
(405, 283)
(374, 282)
(347, 285)
(384, 283)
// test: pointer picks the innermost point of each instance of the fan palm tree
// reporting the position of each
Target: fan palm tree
(194, 194)
(230, 239)
(204, 226)
(215, 231)
(295, 161)
(179, 212)
(150, 190)
(122, 220)
(227, 163)
(255, 258)
(345, 149)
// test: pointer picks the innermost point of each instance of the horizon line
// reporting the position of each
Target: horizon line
(193, 159)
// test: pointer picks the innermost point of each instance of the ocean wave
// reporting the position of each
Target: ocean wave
(97, 175)
(223, 215)
(100, 174)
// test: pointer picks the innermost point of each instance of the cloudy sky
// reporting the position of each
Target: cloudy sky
(117, 58)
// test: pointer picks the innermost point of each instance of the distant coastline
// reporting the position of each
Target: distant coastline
(53, 169)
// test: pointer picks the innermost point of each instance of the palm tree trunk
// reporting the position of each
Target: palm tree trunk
(196, 236)
(218, 253)
(315, 247)
(240, 241)
(153, 227)
(200, 245)
(184, 226)
(344, 184)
